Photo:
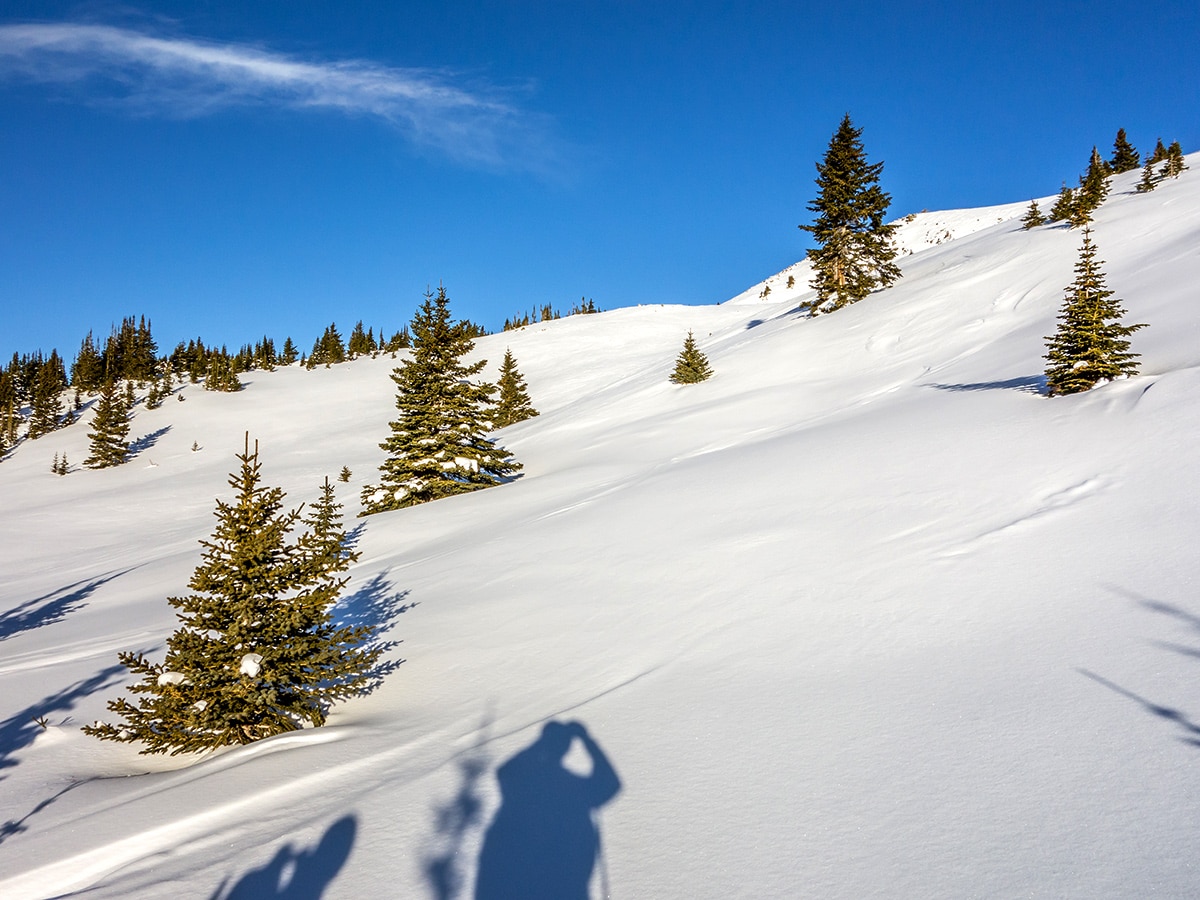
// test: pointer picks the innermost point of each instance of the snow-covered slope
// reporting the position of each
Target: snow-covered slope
(914, 233)
(864, 615)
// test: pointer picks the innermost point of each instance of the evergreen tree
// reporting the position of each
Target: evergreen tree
(344, 475)
(328, 349)
(1125, 158)
(1064, 206)
(289, 352)
(87, 372)
(10, 423)
(1089, 346)
(437, 446)
(109, 437)
(514, 404)
(220, 374)
(1175, 164)
(359, 345)
(1093, 189)
(46, 402)
(258, 652)
(1160, 152)
(130, 352)
(154, 397)
(854, 249)
(1033, 216)
(691, 365)
(1149, 182)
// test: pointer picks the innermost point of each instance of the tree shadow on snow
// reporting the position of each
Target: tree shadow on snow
(147, 441)
(296, 874)
(543, 842)
(376, 605)
(802, 310)
(1030, 384)
(1191, 727)
(454, 821)
(49, 608)
(16, 826)
(20, 729)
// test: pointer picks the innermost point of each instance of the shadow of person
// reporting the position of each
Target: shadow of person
(297, 874)
(543, 842)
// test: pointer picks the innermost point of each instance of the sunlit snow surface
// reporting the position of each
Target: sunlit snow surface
(865, 615)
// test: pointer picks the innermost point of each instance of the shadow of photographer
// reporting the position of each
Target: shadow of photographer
(543, 843)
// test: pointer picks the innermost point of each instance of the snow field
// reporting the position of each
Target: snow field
(864, 615)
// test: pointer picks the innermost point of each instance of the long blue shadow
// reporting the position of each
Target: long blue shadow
(50, 608)
(543, 842)
(297, 874)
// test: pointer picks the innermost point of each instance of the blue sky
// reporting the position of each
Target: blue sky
(237, 169)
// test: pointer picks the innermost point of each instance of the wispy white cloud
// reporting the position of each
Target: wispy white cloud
(188, 77)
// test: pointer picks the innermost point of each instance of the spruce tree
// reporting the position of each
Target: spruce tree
(854, 253)
(1125, 158)
(1160, 152)
(359, 344)
(1090, 345)
(1064, 206)
(257, 652)
(691, 365)
(1175, 164)
(1093, 189)
(46, 401)
(109, 436)
(1149, 182)
(87, 372)
(289, 352)
(1033, 216)
(514, 404)
(10, 423)
(437, 446)
(219, 374)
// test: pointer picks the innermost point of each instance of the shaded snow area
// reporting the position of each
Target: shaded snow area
(866, 615)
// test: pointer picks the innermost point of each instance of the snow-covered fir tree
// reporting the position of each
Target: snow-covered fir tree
(1033, 216)
(691, 365)
(438, 445)
(514, 403)
(1125, 158)
(257, 652)
(109, 436)
(1090, 344)
(854, 253)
